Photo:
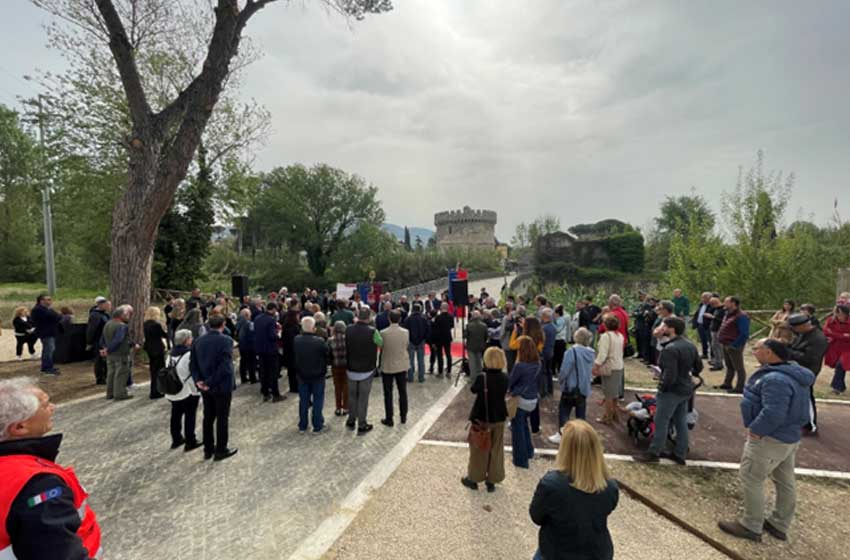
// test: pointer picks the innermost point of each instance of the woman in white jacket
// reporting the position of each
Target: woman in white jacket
(184, 404)
(609, 365)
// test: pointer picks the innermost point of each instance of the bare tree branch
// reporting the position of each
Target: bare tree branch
(122, 51)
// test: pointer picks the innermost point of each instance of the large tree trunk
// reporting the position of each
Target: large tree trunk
(134, 233)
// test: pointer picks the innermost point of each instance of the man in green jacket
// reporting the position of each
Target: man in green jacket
(681, 305)
(117, 348)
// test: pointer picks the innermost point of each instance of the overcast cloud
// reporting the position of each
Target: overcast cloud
(586, 110)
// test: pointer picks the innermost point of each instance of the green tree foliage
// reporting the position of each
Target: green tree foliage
(184, 235)
(315, 210)
(526, 235)
(601, 229)
(407, 244)
(82, 219)
(520, 238)
(626, 251)
(87, 121)
(19, 208)
(762, 261)
(683, 216)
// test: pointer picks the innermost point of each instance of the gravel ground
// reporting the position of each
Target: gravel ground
(704, 496)
(77, 379)
(404, 520)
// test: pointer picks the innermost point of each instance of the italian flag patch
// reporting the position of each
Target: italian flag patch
(45, 496)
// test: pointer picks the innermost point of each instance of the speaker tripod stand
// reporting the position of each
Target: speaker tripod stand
(463, 361)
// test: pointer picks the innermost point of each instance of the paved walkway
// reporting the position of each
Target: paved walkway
(718, 436)
(450, 521)
(153, 502)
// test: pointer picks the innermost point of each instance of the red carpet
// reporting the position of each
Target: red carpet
(457, 349)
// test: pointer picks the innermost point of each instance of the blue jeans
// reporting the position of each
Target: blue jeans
(565, 407)
(537, 556)
(523, 450)
(838, 382)
(670, 408)
(314, 392)
(417, 350)
(48, 346)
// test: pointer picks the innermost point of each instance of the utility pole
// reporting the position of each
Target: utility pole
(49, 263)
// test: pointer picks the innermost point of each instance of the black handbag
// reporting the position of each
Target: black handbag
(573, 396)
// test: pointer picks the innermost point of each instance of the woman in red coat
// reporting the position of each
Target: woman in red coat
(837, 331)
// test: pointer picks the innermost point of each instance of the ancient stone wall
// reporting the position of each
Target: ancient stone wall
(467, 228)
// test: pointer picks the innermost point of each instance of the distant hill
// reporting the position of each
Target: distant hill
(398, 232)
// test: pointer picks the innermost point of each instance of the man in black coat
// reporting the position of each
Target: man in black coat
(265, 345)
(211, 364)
(808, 348)
(311, 358)
(702, 323)
(442, 335)
(46, 322)
(420, 331)
(99, 315)
(643, 331)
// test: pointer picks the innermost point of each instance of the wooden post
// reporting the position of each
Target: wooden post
(843, 284)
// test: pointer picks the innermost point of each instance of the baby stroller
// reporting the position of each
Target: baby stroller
(641, 423)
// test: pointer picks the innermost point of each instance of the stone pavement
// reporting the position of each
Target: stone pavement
(153, 502)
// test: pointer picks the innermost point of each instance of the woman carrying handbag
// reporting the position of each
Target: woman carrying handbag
(487, 424)
(609, 367)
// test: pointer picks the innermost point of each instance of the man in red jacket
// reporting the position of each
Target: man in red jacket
(44, 512)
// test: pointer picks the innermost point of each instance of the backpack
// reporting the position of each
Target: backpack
(168, 380)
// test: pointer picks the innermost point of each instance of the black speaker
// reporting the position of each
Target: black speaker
(460, 293)
(239, 283)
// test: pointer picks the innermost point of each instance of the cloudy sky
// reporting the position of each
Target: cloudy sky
(587, 110)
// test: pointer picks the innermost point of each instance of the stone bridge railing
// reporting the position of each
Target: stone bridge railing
(440, 284)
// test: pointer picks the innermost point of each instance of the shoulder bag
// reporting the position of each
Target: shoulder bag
(479, 430)
(574, 395)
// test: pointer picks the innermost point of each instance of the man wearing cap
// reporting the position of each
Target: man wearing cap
(99, 315)
(808, 348)
(361, 346)
(775, 405)
(44, 510)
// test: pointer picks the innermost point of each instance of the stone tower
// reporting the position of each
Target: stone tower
(467, 229)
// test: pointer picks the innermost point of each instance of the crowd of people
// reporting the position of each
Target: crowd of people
(515, 358)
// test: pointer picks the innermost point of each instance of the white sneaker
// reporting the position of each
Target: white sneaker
(556, 438)
(20, 358)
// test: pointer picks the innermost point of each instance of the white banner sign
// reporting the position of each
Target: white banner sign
(345, 291)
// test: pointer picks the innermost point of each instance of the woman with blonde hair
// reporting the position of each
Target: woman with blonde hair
(154, 346)
(572, 503)
(609, 366)
(489, 412)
